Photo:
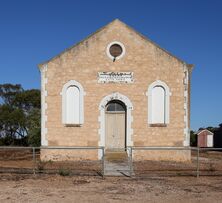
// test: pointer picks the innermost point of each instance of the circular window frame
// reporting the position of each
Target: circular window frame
(108, 50)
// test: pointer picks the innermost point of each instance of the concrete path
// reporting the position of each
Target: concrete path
(116, 164)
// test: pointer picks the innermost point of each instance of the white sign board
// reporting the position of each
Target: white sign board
(115, 77)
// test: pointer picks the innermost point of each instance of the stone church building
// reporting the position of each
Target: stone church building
(115, 89)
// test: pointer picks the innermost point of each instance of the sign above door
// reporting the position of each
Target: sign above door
(115, 77)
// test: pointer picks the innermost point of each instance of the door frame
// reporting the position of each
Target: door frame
(101, 119)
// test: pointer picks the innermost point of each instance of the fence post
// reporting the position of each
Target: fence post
(131, 160)
(103, 162)
(198, 165)
(33, 157)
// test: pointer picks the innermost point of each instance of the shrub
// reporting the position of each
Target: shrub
(63, 172)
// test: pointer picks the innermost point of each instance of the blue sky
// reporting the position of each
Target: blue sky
(34, 31)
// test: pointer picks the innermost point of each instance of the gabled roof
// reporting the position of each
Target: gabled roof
(200, 131)
(189, 66)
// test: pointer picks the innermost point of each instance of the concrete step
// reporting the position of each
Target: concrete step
(116, 168)
(116, 156)
(116, 163)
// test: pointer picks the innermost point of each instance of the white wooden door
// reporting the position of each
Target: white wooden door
(209, 140)
(115, 130)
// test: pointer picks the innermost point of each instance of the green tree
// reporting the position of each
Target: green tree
(34, 135)
(19, 115)
(193, 139)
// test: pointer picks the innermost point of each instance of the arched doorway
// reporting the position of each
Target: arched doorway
(115, 125)
(116, 96)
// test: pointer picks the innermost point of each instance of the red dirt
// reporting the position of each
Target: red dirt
(55, 188)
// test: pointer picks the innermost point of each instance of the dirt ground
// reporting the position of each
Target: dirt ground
(152, 181)
(56, 188)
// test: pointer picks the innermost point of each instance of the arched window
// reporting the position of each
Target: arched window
(72, 103)
(115, 106)
(158, 103)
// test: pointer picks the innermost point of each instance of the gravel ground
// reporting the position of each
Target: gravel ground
(56, 188)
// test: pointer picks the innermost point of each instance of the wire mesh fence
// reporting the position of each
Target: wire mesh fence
(61, 160)
(209, 161)
(167, 161)
(142, 161)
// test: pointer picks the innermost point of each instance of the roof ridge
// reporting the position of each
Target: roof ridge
(199, 131)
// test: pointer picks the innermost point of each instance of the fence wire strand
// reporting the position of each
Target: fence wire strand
(204, 161)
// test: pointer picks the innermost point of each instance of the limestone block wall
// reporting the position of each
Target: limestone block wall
(68, 155)
(147, 61)
(162, 155)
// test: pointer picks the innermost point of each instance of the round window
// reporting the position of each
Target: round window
(115, 50)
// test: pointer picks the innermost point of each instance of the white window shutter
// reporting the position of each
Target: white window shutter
(72, 105)
(158, 105)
